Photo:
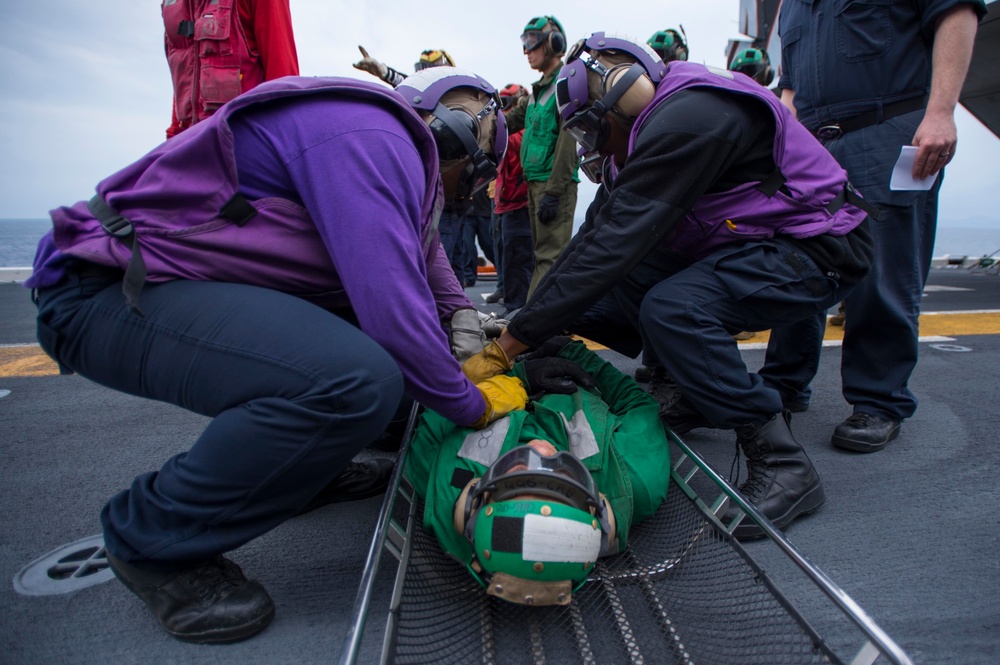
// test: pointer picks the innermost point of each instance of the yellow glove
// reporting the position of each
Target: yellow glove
(503, 394)
(487, 363)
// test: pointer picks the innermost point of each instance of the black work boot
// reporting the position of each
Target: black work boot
(676, 412)
(360, 480)
(210, 602)
(782, 482)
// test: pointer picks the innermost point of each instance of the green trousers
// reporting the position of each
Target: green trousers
(549, 238)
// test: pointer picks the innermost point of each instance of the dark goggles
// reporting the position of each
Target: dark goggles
(524, 470)
(456, 134)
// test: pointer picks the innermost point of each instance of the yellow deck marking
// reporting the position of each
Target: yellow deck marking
(20, 361)
(26, 361)
(932, 324)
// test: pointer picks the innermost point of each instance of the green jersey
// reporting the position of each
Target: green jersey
(614, 430)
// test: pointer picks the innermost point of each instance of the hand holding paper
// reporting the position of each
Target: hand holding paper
(902, 173)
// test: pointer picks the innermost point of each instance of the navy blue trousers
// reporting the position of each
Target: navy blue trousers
(882, 314)
(686, 316)
(518, 257)
(294, 392)
(475, 227)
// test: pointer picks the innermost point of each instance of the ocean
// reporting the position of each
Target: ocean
(19, 237)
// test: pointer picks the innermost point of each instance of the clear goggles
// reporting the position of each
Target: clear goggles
(587, 126)
(532, 39)
(592, 165)
(524, 470)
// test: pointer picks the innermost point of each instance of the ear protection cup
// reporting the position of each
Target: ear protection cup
(767, 76)
(463, 506)
(638, 95)
(557, 42)
(612, 525)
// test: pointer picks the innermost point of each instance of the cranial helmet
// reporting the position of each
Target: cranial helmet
(462, 111)
(755, 63)
(510, 94)
(544, 31)
(670, 44)
(433, 58)
(628, 73)
(536, 524)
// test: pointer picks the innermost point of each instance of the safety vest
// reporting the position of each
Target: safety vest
(209, 57)
(808, 195)
(541, 131)
(194, 224)
(513, 190)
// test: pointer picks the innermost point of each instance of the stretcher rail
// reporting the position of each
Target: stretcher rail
(685, 591)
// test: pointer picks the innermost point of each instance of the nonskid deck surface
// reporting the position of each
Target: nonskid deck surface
(907, 532)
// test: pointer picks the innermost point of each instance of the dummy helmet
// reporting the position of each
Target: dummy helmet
(544, 31)
(670, 44)
(511, 94)
(626, 88)
(462, 111)
(433, 58)
(536, 524)
(755, 63)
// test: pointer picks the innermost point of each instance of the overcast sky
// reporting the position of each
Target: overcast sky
(84, 87)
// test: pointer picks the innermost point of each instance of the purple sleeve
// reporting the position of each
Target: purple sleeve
(362, 181)
(48, 264)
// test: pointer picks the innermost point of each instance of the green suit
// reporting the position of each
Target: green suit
(614, 429)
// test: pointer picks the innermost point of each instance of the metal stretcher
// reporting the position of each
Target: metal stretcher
(685, 591)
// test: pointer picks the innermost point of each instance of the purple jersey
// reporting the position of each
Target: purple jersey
(343, 178)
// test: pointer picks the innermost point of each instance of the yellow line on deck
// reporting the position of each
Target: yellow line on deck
(21, 361)
(932, 324)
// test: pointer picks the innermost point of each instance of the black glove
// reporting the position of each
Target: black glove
(549, 349)
(548, 208)
(555, 375)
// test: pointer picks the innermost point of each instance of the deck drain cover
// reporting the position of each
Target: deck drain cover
(951, 347)
(65, 569)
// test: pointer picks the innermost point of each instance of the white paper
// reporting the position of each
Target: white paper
(902, 173)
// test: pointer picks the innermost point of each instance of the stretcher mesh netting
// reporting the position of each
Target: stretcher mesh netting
(682, 593)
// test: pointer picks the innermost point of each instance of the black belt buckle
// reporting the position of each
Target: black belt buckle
(829, 132)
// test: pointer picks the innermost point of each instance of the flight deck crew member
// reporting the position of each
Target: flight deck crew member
(272, 268)
(868, 79)
(548, 156)
(718, 213)
(218, 49)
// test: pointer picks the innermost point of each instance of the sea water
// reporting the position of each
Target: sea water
(19, 238)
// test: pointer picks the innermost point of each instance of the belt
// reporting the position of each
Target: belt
(834, 130)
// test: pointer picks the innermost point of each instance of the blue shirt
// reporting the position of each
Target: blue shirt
(846, 57)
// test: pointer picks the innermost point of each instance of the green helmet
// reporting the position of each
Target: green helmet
(536, 552)
(669, 44)
(755, 63)
(536, 524)
(544, 31)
